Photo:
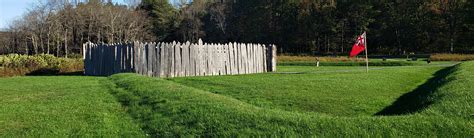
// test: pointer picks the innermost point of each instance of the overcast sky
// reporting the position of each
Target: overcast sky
(13, 9)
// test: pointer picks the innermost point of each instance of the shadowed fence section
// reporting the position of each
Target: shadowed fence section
(178, 59)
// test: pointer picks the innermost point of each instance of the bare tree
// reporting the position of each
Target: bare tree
(218, 15)
(63, 26)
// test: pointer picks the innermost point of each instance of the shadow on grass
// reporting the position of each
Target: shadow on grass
(420, 98)
(54, 72)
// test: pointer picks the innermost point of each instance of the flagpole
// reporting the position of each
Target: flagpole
(366, 55)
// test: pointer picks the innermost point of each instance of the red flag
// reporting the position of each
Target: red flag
(359, 46)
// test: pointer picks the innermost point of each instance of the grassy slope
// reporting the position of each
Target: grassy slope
(167, 108)
(455, 98)
(328, 90)
(61, 105)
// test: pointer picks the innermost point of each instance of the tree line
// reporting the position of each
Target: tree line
(322, 27)
(60, 27)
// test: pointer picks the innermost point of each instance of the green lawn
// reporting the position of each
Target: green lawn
(61, 105)
(339, 91)
(425, 100)
(372, 62)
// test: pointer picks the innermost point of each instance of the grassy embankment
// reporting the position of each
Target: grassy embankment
(393, 101)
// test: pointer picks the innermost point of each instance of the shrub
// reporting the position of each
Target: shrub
(75, 55)
(50, 60)
(14, 64)
(70, 65)
(451, 57)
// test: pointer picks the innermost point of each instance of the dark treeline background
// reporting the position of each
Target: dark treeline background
(322, 27)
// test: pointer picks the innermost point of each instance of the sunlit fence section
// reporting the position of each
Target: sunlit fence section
(178, 59)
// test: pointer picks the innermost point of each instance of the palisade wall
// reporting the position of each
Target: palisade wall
(178, 59)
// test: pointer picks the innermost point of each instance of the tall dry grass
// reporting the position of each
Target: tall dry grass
(452, 57)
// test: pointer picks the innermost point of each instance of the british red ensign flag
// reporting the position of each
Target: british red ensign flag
(359, 46)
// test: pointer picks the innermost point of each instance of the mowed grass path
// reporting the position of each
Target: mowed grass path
(61, 105)
(340, 91)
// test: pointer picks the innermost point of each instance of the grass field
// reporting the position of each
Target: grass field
(350, 92)
(61, 106)
(423, 100)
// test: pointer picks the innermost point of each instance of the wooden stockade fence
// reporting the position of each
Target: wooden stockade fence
(178, 59)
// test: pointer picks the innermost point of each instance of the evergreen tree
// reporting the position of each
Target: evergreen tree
(163, 16)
